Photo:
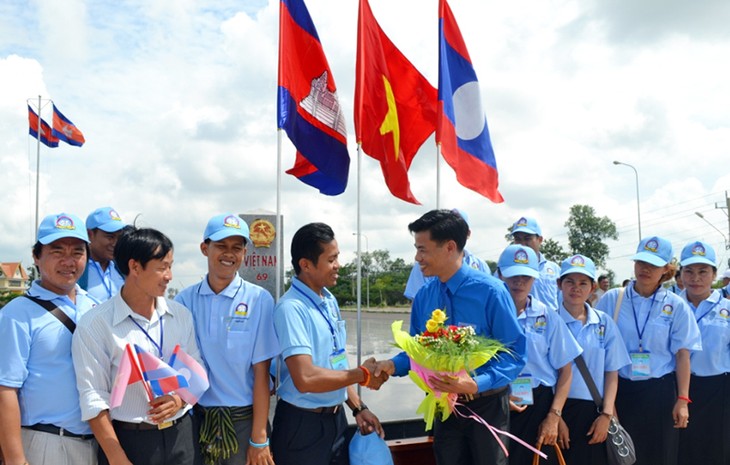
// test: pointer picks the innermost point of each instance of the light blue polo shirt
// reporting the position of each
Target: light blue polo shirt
(416, 280)
(103, 284)
(307, 324)
(666, 321)
(36, 358)
(545, 287)
(234, 331)
(603, 349)
(550, 346)
(713, 318)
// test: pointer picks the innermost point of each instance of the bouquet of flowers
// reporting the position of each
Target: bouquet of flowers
(442, 350)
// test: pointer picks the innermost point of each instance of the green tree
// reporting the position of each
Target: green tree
(586, 233)
(552, 250)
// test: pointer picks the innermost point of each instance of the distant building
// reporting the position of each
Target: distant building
(13, 278)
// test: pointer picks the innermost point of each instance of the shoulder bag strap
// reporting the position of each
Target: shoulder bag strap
(619, 299)
(55, 311)
(583, 368)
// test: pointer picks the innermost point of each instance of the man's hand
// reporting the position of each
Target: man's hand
(460, 384)
(164, 407)
(376, 380)
(367, 422)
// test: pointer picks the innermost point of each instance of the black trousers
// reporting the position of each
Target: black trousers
(306, 438)
(176, 445)
(645, 411)
(707, 437)
(579, 415)
(463, 441)
(525, 424)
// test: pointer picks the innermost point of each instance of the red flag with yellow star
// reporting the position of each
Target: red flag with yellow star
(395, 106)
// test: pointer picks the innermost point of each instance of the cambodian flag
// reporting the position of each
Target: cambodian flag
(161, 377)
(194, 374)
(46, 132)
(65, 130)
(462, 128)
(308, 108)
(128, 373)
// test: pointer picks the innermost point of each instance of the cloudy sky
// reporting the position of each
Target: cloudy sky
(177, 101)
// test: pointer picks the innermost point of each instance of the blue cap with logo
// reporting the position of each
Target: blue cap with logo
(226, 225)
(518, 260)
(698, 252)
(654, 250)
(105, 218)
(55, 227)
(527, 225)
(578, 264)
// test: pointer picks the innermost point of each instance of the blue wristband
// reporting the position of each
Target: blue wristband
(257, 445)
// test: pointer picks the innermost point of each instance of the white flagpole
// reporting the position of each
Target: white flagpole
(37, 167)
(438, 175)
(359, 265)
(279, 239)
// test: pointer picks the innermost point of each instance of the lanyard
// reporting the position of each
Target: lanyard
(101, 275)
(154, 343)
(319, 309)
(640, 332)
(708, 311)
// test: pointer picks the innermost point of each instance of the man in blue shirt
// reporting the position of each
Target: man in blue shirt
(40, 417)
(309, 423)
(527, 232)
(102, 277)
(469, 297)
(234, 328)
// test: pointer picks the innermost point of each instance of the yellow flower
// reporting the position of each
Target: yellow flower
(432, 326)
(438, 315)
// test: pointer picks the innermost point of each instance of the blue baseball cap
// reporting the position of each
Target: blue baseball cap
(578, 264)
(105, 218)
(698, 252)
(518, 260)
(226, 225)
(370, 449)
(462, 214)
(55, 227)
(527, 225)
(654, 250)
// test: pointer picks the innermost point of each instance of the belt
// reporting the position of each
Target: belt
(146, 426)
(52, 429)
(490, 392)
(321, 410)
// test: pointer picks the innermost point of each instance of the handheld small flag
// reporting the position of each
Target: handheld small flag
(193, 373)
(128, 373)
(162, 378)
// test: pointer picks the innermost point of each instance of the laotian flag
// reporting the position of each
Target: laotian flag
(461, 129)
(65, 130)
(193, 373)
(46, 133)
(161, 377)
(128, 373)
(308, 108)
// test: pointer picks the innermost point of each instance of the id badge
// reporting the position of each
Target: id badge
(522, 388)
(338, 360)
(640, 365)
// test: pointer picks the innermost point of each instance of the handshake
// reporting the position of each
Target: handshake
(376, 373)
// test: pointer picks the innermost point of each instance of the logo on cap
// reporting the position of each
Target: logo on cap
(521, 222)
(231, 221)
(114, 215)
(698, 249)
(64, 222)
(521, 257)
(652, 245)
(577, 260)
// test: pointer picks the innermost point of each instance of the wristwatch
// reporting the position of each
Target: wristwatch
(556, 411)
(359, 409)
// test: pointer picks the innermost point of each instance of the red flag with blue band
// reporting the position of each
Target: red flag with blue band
(65, 130)
(161, 377)
(308, 108)
(462, 130)
(46, 132)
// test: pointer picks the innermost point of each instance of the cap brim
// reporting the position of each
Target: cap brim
(696, 260)
(518, 270)
(580, 270)
(228, 232)
(649, 258)
(45, 240)
(112, 226)
(525, 229)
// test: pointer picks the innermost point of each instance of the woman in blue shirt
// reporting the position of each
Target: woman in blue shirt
(583, 429)
(706, 439)
(545, 380)
(659, 332)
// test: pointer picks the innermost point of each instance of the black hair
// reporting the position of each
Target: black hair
(307, 243)
(602, 277)
(141, 245)
(444, 225)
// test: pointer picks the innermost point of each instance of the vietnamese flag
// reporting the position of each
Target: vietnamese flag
(395, 106)
(128, 373)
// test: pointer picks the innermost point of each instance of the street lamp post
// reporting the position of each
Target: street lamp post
(727, 245)
(638, 203)
(367, 271)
